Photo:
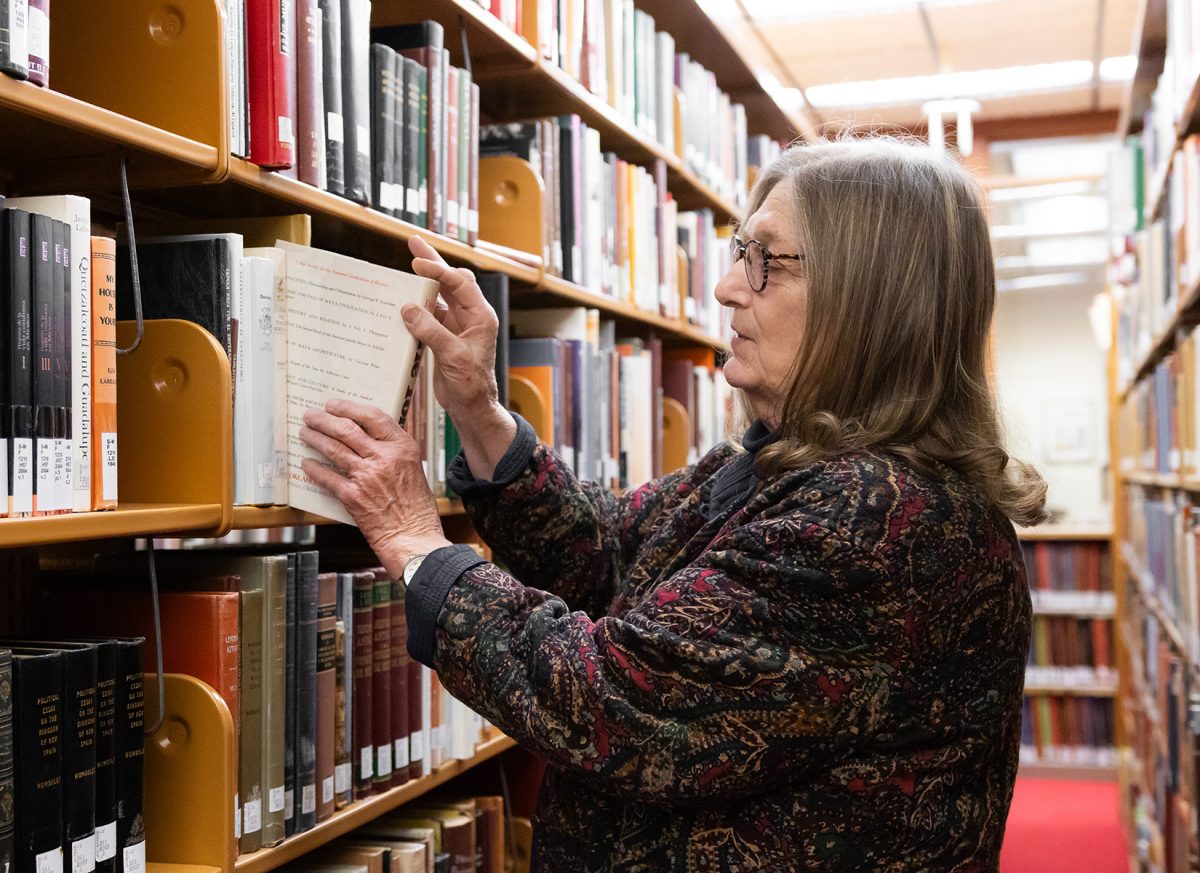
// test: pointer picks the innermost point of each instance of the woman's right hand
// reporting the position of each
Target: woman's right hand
(462, 337)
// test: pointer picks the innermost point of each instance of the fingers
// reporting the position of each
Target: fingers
(458, 287)
(335, 451)
(426, 328)
(360, 425)
(325, 477)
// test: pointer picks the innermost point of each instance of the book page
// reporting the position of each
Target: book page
(345, 339)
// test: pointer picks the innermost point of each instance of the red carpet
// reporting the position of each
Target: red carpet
(1064, 827)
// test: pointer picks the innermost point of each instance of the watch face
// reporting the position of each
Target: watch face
(410, 569)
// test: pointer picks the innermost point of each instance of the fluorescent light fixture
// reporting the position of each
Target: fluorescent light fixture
(980, 84)
(1046, 280)
(776, 12)
(1040, 191)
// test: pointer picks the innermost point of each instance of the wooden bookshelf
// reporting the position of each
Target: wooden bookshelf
(1108, 689)
(1171, 481)
(1145, 592)
(493, 46)
(131, 519)
(357, 814)
(1149, 47)
(1187, 314)
(253, 517)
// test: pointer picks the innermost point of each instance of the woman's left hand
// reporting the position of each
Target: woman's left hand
(376, 474)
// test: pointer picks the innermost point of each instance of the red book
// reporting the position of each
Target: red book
(271, 63)
(452, 125)
(381, 680)
(310, 95)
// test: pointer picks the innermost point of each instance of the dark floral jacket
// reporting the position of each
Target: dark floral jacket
(824, 676)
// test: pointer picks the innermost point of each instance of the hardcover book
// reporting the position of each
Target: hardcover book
(7, 786)
(271, 64)
(306, 690)
(356, 98)
(104, 373)
(16, 377)
(363, 757)
(381, 680)
(38, 751)
(327, 658)
(400, 662)
(311, 151)
(14, 38)
(331, 38)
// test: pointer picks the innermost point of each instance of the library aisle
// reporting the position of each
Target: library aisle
(217, 216)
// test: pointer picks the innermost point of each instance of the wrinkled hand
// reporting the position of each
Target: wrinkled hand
(377, 476)
(462, 336)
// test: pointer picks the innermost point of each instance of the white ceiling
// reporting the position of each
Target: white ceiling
(807, 43)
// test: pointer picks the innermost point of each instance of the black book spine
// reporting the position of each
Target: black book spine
(62, 366)
(7, 787)
(42, 289)
(130, 707)
(567, 171)
(495, 291)
(14, 40)
(331, 55)
(38, 753)
(397, 97)
(356, 98)
(79, 750)
(410, 153)
(289, 702)
(422, 169)
(106, 757)
(17, 379)
(383, 119)
(306, 689)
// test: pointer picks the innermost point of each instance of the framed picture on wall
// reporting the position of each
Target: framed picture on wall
(1069, 431)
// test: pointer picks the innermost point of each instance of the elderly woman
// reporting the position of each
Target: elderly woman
(803, 653)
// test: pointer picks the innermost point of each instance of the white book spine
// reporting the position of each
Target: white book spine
(260, 291)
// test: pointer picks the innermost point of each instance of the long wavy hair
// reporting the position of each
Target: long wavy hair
(901, 289)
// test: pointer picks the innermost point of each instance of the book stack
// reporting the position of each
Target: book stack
(57, 337)
(379, 116)
(1069, 575)
(71, 750)
(312, 663)
(704, 258)
(25, 46)
(1067, 730)
(1071, 651)
(614, 50)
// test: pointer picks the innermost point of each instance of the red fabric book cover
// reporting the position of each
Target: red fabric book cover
(363, 759)
(400, 661)
(310, 95)
(381, 681)
(271, 63)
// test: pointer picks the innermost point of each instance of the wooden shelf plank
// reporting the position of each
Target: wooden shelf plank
(129, 520)
(162, 867)
(1079, 772)
(249, 517)
(1187, 315)
(1043, 688)
(53, 143)
(1065, 533)
(358, 814)
(1077, 611)
(1163, 480)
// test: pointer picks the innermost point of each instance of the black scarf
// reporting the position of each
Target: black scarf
(735, 482)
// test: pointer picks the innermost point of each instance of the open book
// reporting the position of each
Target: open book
(345, 338)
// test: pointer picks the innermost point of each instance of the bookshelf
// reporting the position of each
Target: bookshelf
(147, 83)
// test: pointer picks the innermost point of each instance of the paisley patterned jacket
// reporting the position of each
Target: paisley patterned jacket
(824, 676)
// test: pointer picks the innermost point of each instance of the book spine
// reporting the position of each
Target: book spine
(310, 94)
(331, 40)
(79, 759)
(104, 373)
(462, 150)
(416, 734)
(363, 757)
(383, 141)
(272, 82)
(306, 691)
(341, 754)
(327, 658)
(443, 140)
(275, 633)
(8, 801)
(252, 735)
(18, 426)
(410, 151)
(394, 136)
(42, 284)
(289, 700)
(60, 487)
(131, 829)
(400, 661)
(38, 753)
(39, 42)
(344, 774)
(14, 38)
(381, 682)
(453, 115)
(424, 218)
(473, 162)
(258, 286)
(356, 99)
(106, 758)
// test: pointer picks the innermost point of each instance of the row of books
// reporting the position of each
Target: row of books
(57, 340)
(1067, 566)
(308, 651)
(1159, 426)
(438, 833)
(1163, 727)
(71, 752)
(25, 40)
(1176, 84)
(616, 52)
(1073, 649)
(1164, 533)
(1068, 730)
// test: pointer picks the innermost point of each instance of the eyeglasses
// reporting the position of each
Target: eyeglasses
(758, 260)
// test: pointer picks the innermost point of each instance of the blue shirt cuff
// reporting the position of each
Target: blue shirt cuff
(463, 483)
(427, 594)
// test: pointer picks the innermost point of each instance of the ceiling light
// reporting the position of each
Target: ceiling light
(1005, 82)
(774, 12)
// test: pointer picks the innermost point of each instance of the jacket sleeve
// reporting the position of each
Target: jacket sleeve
(575, 539)
(778, 651)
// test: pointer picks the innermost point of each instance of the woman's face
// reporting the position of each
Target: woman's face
(768, 325)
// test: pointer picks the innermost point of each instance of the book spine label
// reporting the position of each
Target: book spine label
(14, 38)
(104, 374)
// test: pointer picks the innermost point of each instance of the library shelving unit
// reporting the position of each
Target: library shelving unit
(1082, 598)
(1159, 676)
(144, 84)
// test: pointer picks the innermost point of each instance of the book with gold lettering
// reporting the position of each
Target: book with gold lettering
(38, 752)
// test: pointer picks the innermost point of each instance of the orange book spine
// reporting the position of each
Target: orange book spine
(104, 373)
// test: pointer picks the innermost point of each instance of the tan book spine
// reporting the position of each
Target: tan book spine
(250, 748)
(104, 373)
(327, 659)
